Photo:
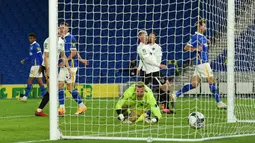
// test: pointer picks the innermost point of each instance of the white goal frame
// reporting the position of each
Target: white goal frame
(54, 125)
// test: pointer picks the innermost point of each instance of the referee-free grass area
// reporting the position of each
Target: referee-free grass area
(18, 123)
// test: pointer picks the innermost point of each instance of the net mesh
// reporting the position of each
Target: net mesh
(106, 34)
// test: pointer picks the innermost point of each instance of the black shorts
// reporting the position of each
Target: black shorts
(155, 79)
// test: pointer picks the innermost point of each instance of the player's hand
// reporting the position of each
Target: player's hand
(138, 72)
(199, 48)
(163, 66)
(85, 62)
(121, 117)
(22, 61)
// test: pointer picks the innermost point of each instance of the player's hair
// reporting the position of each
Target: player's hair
(200, 22)
(32, 35)
(64, 23)
(139, 84)
(154, 34)
(142, 32)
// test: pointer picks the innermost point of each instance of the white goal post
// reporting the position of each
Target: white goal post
(106, 35)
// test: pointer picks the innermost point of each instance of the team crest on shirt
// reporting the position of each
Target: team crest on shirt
(73, 44)
(38, 48)
(153, 49)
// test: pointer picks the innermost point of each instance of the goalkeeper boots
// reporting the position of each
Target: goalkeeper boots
(81, 110)
(61, 112)
(40, 114)
(221, 105)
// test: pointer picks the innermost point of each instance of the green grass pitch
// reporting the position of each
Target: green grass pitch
(18, 123)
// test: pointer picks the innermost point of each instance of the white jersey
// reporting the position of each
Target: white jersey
(157, 51)
(140, 66)
(60, 46)
(148, 59)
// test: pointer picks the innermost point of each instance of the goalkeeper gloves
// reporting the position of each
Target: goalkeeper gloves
(121, 117)
(153, 120)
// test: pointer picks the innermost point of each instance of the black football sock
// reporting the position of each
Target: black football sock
(44, 101)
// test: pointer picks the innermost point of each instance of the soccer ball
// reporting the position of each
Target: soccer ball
(196, 120)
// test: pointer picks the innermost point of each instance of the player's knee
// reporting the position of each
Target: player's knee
(210, 80)
(194, 84)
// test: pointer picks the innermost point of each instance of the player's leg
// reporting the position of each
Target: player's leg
(194, 83)
(45, 99)
(29, 83)
(213, 87)
(75, 94)
(42, 88)
(61, 98)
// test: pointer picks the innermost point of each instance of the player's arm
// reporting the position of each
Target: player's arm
(122, 102)
(37, 53)
(139, 67)
(46, 54)
(147, 58)
(72, 49)
(154, 108)
(85, 62)
(192, 45)
(160, 53)
(63, 57)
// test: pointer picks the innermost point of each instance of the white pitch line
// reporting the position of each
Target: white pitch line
(12, 117)
(34, 141)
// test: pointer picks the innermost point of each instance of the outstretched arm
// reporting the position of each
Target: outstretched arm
(85, 62)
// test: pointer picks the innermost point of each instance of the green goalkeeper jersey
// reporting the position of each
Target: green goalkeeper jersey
(147, 103)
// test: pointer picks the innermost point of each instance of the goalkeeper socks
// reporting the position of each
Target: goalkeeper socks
(184, 89)
(76, 96)
(215, 92)
(44, 101)
(61, 97)
(43, 90)
(29, 86)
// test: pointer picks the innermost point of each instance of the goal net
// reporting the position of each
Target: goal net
(106, 35)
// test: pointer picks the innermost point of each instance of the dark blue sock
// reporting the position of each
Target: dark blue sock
(28, 89)
(215, 92)
(76, 96)
(61, 97)
(43, 90)
(184, 89)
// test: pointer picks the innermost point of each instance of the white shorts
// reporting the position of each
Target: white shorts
(34, 72)
(65, 76)
(203, 70)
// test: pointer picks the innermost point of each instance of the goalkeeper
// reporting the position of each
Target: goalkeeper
(137, 104)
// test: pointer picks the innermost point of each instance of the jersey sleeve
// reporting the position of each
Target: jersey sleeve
(194, 41)
(73, 43)
(37, 48)
(126, 96)
(154, 107)
(46, 45)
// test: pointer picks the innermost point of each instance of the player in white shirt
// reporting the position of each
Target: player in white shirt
(45, 70)
(164, 92)
(152, 66)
